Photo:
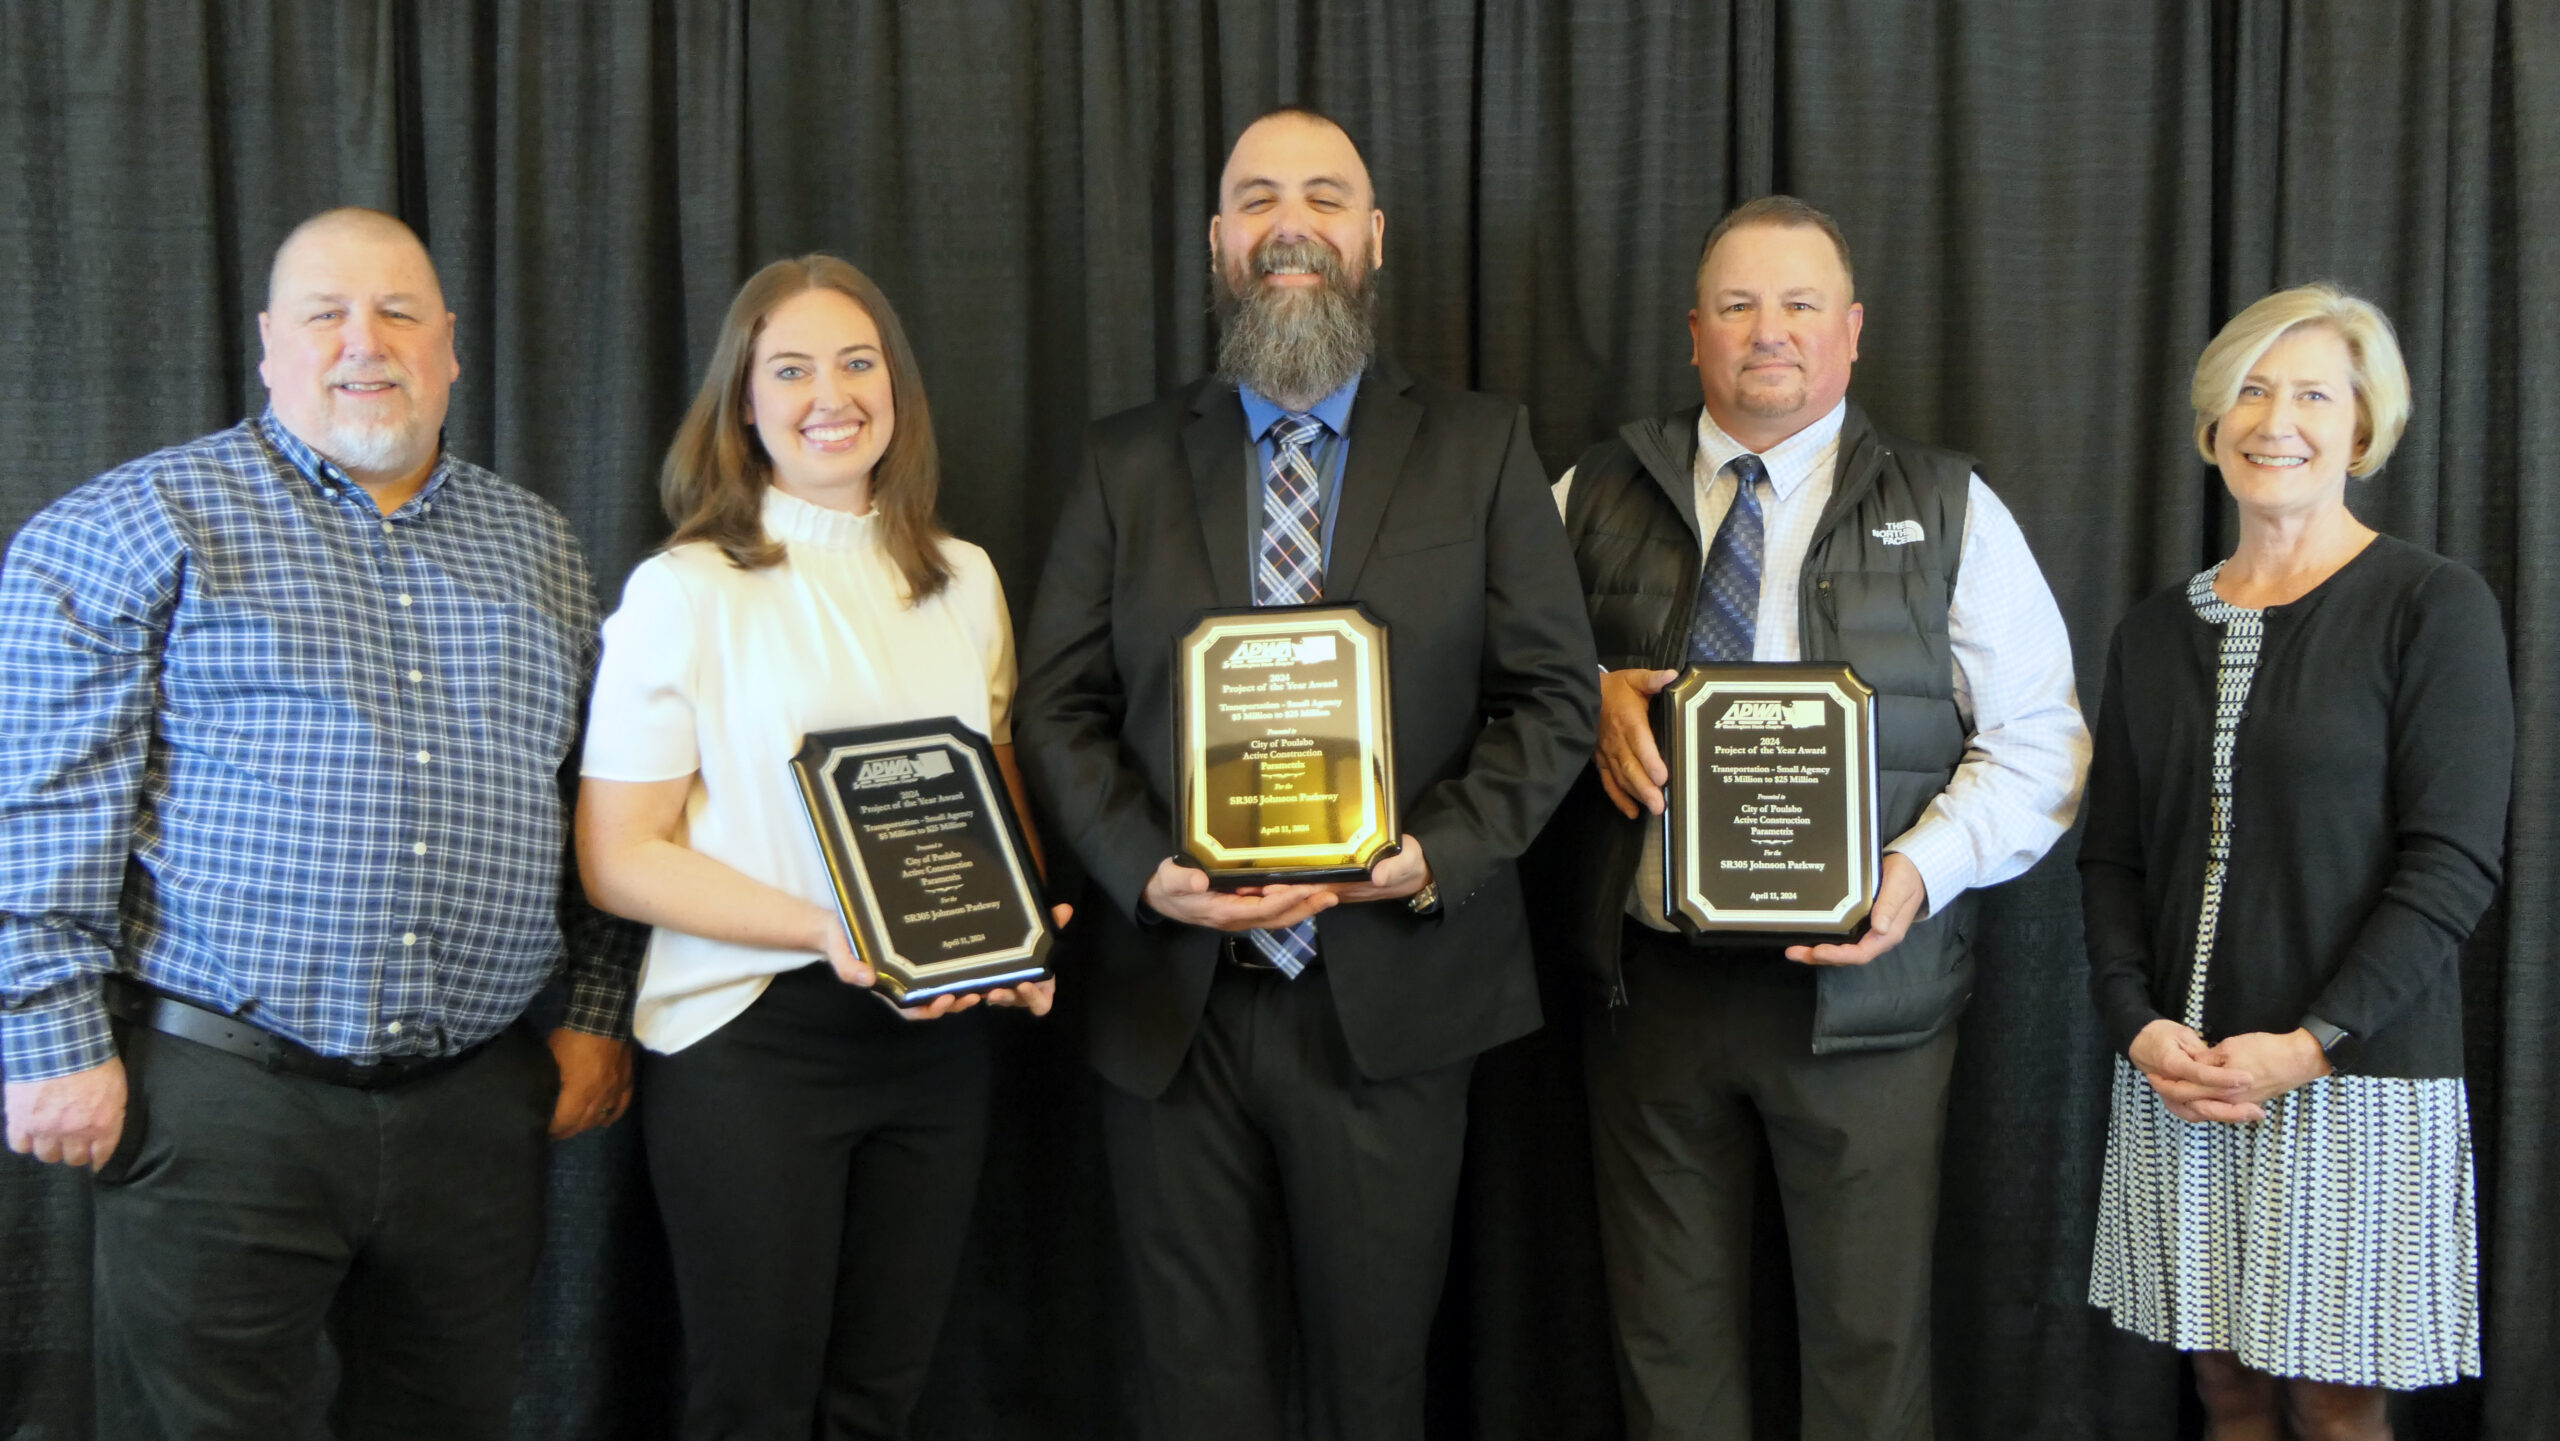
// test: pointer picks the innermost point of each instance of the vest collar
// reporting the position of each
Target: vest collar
(1665, 446)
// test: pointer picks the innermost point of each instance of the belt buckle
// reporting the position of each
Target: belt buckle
(1241, 954)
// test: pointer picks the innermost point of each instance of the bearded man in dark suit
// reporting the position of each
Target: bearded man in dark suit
(1288, 1064)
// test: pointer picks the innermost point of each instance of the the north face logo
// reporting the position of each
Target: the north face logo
(899, 770)
(1770, 715)
(1900, 532)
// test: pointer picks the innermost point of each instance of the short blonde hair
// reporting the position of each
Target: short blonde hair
(2380, 377)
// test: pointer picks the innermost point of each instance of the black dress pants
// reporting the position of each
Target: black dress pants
(1710, 1049)
(1278, 1208)
(258, 1210)
(816, 1161)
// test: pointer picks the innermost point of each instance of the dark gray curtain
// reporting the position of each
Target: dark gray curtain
(2052, 208)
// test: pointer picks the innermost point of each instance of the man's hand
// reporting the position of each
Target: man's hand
(2196, 1081)
(1398, 876)
(595, 1081)
(74, 1119)
(1631, 768)
(1901, 897)
(1181, 893)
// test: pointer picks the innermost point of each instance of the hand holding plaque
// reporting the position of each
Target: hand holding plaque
(1284, 745)
(1770, 829)
(931, 872)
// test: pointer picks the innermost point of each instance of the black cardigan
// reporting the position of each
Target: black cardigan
(2369, 809)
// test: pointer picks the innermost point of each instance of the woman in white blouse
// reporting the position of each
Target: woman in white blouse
(815, 1152)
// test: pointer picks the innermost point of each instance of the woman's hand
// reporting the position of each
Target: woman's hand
(1033, 996)
(2196, 1081)
(829, 938)
(2278, 1061)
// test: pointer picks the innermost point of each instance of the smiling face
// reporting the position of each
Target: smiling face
(2285, 444)
(359, 359)
(818, 396)
(1295, 248)
(1294, 181)
(1775, 331)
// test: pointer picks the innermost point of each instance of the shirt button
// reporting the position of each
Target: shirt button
(416, 676)
(424, 757)
(408, 938)
(404, 599)
(386, 527)
(420, 848)
(393, 1028)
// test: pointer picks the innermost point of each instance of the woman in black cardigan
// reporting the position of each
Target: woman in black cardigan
(2296, 814)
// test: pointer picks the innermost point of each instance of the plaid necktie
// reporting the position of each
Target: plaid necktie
(1289, 570)
(1727, 621)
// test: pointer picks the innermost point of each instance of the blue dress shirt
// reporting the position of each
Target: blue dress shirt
(277, 754)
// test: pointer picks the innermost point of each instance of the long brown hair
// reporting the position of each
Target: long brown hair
(716, 471)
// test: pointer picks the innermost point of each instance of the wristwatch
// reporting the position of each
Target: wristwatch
(1425, 901)
(2334, 1043)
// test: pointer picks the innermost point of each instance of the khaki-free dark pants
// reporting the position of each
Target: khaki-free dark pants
(815, 1160)
(1281, 1213)
(258, 1211)
(1711, 1049)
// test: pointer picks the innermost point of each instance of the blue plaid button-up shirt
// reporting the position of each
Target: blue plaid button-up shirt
(276, 754)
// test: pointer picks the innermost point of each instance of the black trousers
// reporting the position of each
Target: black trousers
(1276, 1209)
(1710, 1050)
(259, 1210)
(816, 1161)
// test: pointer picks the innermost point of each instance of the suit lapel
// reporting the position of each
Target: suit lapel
(1383, 422)
(1214, 443)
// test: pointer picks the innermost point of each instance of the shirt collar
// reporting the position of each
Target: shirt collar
(1261, 412)
(1791, 462)
(324, 474)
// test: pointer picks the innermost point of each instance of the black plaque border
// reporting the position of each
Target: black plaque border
(857, 905)
(1678, 732)
(1186, 778)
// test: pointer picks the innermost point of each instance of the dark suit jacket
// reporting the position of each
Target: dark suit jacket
(1447, 532)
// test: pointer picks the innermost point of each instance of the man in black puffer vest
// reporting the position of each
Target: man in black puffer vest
(1850, 545)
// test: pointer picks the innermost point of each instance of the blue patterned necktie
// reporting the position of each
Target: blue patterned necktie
(1727, 622)
(1289, 570)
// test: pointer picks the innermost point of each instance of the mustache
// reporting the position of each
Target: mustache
(364, 372)
(1304, 254)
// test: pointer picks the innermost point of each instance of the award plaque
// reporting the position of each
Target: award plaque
(1771, 823)
(1284, 748)
(931, 874)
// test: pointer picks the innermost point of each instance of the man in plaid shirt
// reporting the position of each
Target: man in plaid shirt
(284, 714)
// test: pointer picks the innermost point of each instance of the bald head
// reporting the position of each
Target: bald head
(359, 356)
(1294, 150)
(331, 229)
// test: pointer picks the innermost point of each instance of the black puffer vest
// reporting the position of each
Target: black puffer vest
(1880, 607)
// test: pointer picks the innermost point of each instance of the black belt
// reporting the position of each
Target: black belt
(132, 1001)
(1236, 951)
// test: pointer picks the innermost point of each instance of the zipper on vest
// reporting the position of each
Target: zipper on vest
(1825, 597)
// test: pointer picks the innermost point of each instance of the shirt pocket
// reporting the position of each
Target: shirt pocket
(521, 685)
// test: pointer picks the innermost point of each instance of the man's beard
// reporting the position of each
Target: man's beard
(383, 447)
(1292, 344)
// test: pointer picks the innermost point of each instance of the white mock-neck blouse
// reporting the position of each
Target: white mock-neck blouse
(717, 673)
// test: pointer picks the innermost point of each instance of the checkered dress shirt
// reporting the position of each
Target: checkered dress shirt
(278, 755)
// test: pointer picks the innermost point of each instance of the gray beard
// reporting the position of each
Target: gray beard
(1297, 346)
(375, 449)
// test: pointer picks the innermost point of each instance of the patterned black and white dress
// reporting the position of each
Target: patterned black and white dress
(2333, 1241)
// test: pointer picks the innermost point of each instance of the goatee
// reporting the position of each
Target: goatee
(1295, 345)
